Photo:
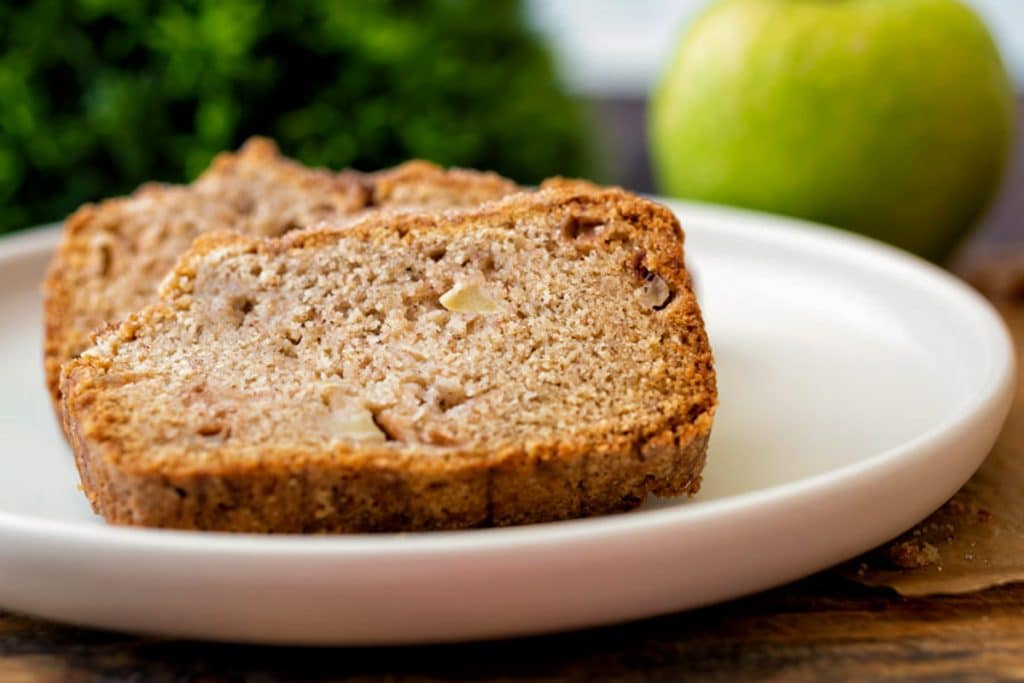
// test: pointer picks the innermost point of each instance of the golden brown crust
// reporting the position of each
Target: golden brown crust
(372, 488)
(68, 325)
(423, 184)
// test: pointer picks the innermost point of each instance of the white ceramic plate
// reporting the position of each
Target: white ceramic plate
(860, 387)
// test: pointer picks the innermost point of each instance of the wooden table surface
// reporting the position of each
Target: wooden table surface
(822, 628)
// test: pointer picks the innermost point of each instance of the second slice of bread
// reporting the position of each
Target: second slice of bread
(540, 358)
(113, 255)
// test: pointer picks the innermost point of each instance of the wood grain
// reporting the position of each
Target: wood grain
(821, 628)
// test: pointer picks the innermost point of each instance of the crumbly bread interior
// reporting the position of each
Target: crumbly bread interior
(132, 243)
(115, 254)
(416, 335)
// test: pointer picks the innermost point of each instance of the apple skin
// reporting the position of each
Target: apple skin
(891, 118)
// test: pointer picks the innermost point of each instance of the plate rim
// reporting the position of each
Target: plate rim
(744, 223)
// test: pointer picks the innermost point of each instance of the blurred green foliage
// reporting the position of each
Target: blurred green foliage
(97, 96)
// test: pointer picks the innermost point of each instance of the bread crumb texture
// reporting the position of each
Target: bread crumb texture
(505, 365)
(113, 255)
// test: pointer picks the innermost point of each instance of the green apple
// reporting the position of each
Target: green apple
(892, 118)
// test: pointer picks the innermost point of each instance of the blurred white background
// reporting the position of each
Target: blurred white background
(617, 47)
